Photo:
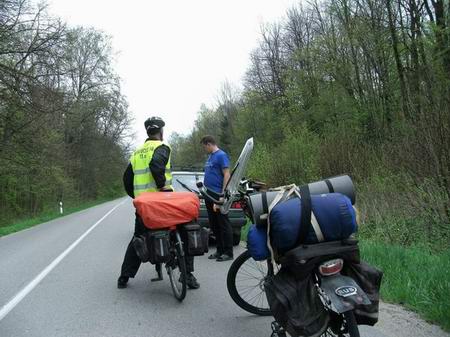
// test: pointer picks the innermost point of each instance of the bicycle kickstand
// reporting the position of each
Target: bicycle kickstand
(160, 274)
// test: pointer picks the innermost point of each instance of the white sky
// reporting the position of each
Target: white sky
(175, 55)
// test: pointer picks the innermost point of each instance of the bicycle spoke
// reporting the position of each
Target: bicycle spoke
(243, 285)
(253, 297)
(261, 298)
(245, 272)
(256, 271)
(259, 301)
(241, 279)
(256, 267)
(246, 291)
(249, 278)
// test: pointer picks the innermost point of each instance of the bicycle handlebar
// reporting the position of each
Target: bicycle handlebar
(209, 195)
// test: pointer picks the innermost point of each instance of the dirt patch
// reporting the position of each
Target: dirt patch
(396, 321)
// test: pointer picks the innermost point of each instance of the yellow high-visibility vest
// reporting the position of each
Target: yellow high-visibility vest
(140, 161)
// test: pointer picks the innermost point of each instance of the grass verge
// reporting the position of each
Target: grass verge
(49, 215)
(245, 229)
(413, 277)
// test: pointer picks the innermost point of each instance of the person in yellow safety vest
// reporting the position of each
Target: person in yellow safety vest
(149, 171)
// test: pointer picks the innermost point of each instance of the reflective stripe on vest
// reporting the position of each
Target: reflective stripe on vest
(140, 161)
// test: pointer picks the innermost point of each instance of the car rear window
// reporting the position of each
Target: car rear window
(190, 180)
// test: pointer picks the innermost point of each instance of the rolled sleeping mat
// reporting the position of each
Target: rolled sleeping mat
(334, 213)
(340, 184)
(259, 202)
(259, 206)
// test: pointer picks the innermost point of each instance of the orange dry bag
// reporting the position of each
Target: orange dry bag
(167, 209)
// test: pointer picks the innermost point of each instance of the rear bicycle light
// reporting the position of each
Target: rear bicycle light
(331, 267)
(236, 204)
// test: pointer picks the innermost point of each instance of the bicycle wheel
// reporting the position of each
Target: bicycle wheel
(176, 268)
(350, 322)
(245, 283)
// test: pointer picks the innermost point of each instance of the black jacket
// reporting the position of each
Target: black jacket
(157, 168)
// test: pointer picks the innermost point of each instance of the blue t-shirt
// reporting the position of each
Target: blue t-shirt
(216, 162)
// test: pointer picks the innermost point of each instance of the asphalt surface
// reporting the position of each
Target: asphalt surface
(79, 296)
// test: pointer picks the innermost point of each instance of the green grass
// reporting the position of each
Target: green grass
(245, 229)
(413, 277)
(49, 215)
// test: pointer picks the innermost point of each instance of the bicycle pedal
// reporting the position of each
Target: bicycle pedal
(277, 330)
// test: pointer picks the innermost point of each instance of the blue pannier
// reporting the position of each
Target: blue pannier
(257, 243)
(333, 211)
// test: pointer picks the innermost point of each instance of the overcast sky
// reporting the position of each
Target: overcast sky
(173, 56)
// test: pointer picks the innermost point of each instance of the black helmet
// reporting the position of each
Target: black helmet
(154, 124)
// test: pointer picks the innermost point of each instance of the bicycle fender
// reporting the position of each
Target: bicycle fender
(343, 292)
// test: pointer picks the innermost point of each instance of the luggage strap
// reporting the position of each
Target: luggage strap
(329, 185)
(265, 206)
(307, 217)
(282, 195)
(306, 214)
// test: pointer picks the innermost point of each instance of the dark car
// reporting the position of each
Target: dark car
(189, 179)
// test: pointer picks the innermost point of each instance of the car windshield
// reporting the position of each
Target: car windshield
(188, 179)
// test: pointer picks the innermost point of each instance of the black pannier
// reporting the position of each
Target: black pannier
(140, 246)
(158, 246)
(295, 304)
(302, 261)
(205, 239)
(369, 279)
(195, 239)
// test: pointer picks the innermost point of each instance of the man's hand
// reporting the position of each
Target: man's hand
(166, 189)
(216, 208)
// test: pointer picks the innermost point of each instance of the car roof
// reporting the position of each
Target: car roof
(188, 172)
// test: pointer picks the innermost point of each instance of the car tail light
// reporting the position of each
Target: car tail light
(331, 267)
(236, 204)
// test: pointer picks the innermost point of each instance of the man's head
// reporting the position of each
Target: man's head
(154, 127)
(209, 144)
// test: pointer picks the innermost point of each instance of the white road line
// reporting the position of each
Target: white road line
(30, 286)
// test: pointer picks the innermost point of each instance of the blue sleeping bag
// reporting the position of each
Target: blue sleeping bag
(257, 243)
(333, 211)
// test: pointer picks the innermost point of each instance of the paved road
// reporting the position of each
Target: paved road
(78, 297)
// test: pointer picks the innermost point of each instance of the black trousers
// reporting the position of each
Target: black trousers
(131, 261)
(221, 227)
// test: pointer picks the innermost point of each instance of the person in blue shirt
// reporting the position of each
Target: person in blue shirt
(217, 174)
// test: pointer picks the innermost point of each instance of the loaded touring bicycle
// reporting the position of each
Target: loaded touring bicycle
(173, 234)
(302, 265)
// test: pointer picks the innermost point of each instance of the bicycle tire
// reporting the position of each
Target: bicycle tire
(233, 291)
(177, 261)
(351, 324)
(349, 328)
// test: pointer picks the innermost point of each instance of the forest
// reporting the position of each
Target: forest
(64, 123)
(358, 87)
